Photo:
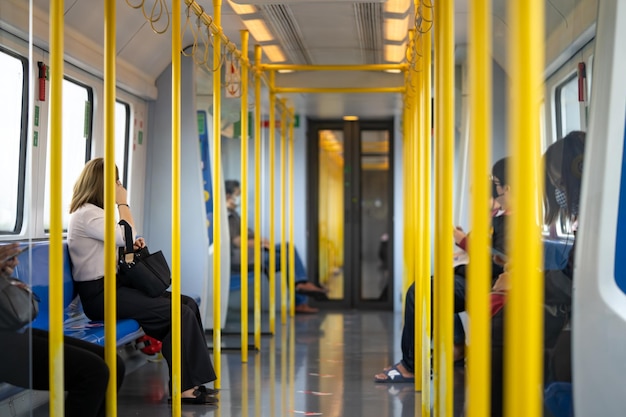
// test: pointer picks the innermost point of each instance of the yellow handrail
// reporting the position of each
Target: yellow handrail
(426, 125)
(244, 200)
(418, 247)
(272, 211)
(57, 391)
(479, 270)
(290, 90)
(524, 318)
(292, 247)
(177, 385)
(217, 203)
(257, 199)
(371, 67)
(283, 214)
(110, 264)
(444, 154)
(213, 24)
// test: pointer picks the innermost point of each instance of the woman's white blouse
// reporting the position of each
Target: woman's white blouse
(85, 241)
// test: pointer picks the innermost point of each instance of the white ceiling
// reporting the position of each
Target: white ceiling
(328, 31)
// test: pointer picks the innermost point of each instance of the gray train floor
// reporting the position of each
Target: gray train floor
(319, 364)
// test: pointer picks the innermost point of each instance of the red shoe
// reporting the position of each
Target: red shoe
(149, 345)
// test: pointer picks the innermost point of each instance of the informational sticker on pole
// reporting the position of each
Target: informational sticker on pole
(232, 78)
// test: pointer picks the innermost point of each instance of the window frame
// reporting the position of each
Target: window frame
(557, 103)
(23, 151)
(90, 98)
(88, 137)
(127, 140)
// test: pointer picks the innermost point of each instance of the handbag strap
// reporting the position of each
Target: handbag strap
(127, 253)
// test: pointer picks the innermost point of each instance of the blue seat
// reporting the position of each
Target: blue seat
(33, 268)
(558, 399)
(555, 253)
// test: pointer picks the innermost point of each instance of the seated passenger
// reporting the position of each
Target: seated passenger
(303, 286)
(25, 360)
(85, 239)
(563, 168)
(403, 371)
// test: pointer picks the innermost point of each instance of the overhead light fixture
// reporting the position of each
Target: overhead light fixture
(393, 71)
(259, 30)
(395, 53)
(397, 6)
(274, 53)
(350, 118)
(242, 8)
(397, 30)
(285, 71)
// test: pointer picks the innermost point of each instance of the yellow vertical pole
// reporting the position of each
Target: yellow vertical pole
(444, 152)
(244, 196)
(292, 246)
(419, 207)
(426, 181)
(524, 319)
(57, 392)
(272, 166)
(217, 185)
(479, 270)
(176, 327)
(283, 213)
(257, 197)
(409, 163)
(110, 265)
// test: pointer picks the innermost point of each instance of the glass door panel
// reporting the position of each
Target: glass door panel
(331, 212)
(374, 175)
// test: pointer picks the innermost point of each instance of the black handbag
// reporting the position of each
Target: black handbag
(145, 271)
(18, 304)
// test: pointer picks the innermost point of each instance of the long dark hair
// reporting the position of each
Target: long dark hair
(564, 167)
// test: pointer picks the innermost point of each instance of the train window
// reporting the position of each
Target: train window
(122, 136)
(77, 117)
(13, 116)
(567, 106)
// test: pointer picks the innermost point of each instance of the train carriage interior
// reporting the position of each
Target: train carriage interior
(349, 143)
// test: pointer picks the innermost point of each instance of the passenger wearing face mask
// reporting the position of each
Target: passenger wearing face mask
(304, 287)
(563, 168)
(403, 371)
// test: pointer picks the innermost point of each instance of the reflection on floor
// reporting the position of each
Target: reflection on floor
(315, 365)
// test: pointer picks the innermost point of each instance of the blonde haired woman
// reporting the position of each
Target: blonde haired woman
(85, 240)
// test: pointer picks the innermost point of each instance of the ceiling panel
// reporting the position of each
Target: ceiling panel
(329, 34)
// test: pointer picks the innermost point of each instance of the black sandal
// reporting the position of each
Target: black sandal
(201, 397)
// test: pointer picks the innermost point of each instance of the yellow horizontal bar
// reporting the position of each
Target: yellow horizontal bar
(286, 90)
(371, 67)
